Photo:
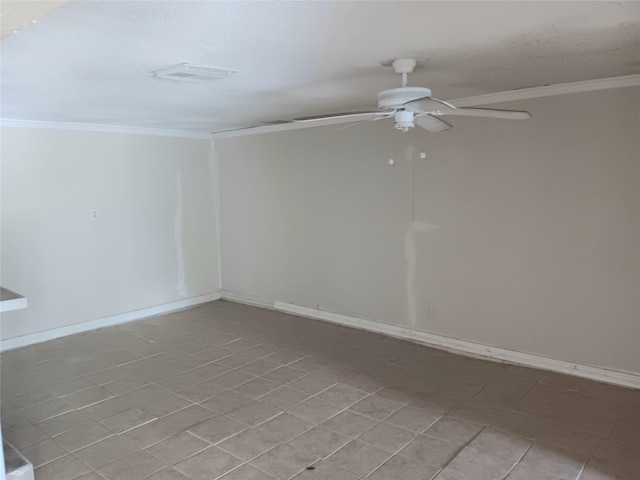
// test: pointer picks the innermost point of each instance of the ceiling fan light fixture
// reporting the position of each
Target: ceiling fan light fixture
(404, 120)
(185, 72)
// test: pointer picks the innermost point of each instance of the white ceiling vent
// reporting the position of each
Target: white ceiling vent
(184, 72)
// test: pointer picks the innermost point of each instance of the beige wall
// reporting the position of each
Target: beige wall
(522, 235)
(153, 240)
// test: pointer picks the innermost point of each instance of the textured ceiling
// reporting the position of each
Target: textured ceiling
(89, 61)
(16, 15)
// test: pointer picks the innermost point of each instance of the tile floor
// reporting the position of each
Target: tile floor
(226, 391)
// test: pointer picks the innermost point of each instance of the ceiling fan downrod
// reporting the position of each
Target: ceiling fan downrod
(404, 66)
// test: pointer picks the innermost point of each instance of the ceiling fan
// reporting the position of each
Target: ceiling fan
(408, 106)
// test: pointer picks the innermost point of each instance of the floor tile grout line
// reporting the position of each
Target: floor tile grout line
(261, 470)
(52, 459)
(435, 475)
(121, 365)
(88, 445)
(153, 473)
(253, 458)
(377, 422)
(517, 462)
(392, 454)
(460, 449)
(113, 396)
(95, 470)
(584, 465)
(312, 427)
(156, 354)
(213, 444)
(242, 462)
(329, 418)
(591, 455)
(132, 428)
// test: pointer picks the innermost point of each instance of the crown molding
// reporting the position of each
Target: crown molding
(491, 98)
(91, 127)
(549, 90)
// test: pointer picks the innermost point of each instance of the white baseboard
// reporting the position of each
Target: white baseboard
(465, 347)
(247, 299)
(626, 379)
(25, 340)
(615, 377)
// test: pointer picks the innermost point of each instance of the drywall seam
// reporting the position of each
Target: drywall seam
(178, 228)
(478, 350)
(214, 168)
(39, 337)
(90, 127)
(410, 256)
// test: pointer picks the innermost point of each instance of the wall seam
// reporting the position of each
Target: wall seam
(215, 163)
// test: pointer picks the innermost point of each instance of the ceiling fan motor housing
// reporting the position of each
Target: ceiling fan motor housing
(395, 98)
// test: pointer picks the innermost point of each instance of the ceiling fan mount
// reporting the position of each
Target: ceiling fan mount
(395, 99)
(408, 106)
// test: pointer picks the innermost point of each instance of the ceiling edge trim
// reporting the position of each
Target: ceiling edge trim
(279, 127)
(90, 127)
(549, 90)
(511, 95)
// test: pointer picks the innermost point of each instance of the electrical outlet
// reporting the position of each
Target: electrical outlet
(431, 310)
(94, 213)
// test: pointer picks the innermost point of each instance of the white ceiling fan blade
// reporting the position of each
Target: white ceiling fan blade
(488, 113)
(341, 114)
(335, 119)
(306, 122)
(432, 124)
(439, 107)
(351, 125)
(428, 105)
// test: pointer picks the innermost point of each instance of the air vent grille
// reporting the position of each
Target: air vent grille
(184, 72)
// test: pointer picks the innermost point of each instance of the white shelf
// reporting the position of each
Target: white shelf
(11, 301)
